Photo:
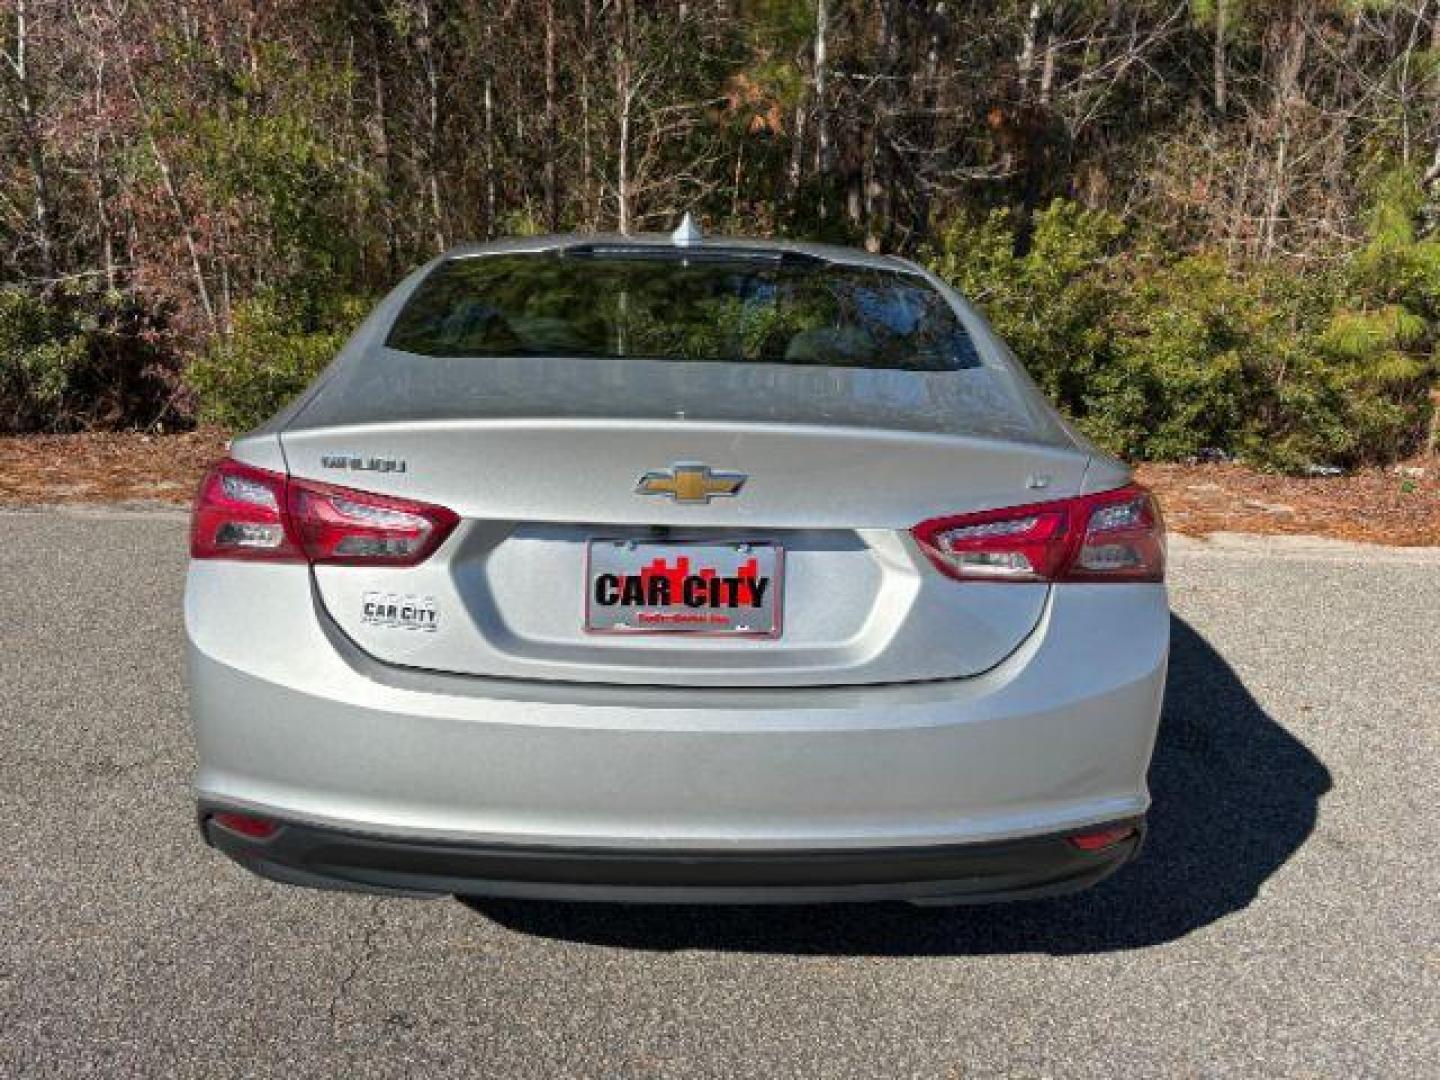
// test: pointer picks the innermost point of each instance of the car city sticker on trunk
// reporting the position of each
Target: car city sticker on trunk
(640, 586)
(399, 612)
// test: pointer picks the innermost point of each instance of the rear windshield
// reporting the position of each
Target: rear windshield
(693, 307)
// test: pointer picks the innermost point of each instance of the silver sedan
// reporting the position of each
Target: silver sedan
(675, 569)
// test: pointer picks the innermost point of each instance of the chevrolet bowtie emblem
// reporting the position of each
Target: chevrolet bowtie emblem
(690, 483)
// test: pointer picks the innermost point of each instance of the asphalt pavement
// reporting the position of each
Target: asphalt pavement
(1283, 919)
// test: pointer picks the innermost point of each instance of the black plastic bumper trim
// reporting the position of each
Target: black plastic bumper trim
(324, 857)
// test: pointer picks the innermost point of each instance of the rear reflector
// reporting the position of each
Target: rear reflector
(243, 512)
(1113, 536)
(1100, 839)
(255, 828)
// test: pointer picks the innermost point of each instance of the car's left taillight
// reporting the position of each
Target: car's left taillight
(242, 512)
(359, 528)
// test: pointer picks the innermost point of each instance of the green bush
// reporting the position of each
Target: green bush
(1184, 370)
(1158, 356)
(77, 356)
(1054, 305)
(272, 352)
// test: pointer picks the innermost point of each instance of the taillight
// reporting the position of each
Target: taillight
(239, 513)
(337, 525)
(256, 828)
(243, 512)
(1112, 536)
(1121, 538)
(1100, 839)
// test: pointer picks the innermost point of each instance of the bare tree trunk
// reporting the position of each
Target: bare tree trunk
(490, 208)
(19, 62)
(625, 97)
(552, 195)
(380, 146)
(99, 177)
(1025, 62)
(937, 29)
(738, 180)
(1432, 173)
(1403, 90)
(1286, 91)
(1275, 197)
(878, 168)
(795, 171)
(622, 181)
(1221, 64)
(252, 49)
(587, 156)
(172, 193)
(432, 123)
(1010, 160)
(1047, 69)
(822, 107)
(934, 43)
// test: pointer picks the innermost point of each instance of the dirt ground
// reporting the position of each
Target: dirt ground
(1399, 505)
(105, 467)
(1388, 506)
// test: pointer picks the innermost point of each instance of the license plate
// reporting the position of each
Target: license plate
(642, 586)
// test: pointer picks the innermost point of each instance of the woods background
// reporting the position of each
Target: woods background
(1205, 226)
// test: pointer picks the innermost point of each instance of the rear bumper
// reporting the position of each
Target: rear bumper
(295, 723)
(1032, 868)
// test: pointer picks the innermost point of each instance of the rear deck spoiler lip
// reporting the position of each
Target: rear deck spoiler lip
(659, 423)
(709, 252)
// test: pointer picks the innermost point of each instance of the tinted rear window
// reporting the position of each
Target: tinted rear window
(668, 307)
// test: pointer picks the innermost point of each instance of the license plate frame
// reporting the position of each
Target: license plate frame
(613, 555)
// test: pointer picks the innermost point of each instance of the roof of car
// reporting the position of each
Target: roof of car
(835, 253)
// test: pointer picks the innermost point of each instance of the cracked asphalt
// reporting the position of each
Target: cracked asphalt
(1282, 920)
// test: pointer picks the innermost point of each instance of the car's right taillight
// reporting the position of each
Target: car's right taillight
(254, 514)
(1123, 538)
(1110, 536)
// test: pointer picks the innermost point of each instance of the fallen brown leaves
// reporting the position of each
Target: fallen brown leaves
(1377, 505)
(105, 467)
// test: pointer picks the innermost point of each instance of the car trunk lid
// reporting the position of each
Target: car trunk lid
(507, 593)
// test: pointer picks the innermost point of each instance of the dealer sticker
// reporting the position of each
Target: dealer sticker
(399, 612)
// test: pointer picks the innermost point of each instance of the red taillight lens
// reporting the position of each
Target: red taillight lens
(1100, 839)
(247, 513)
(1026, 543)
(1113, 536)
(337, 525)
(1123, 538)
(246, 825)
(239, 513)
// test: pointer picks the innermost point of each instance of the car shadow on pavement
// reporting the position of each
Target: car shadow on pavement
(1235, 795)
